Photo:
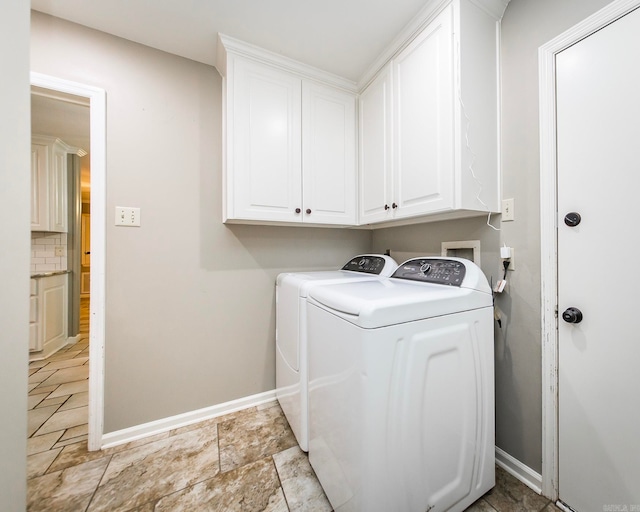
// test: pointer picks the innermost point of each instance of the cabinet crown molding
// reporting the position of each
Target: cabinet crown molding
(494, 8)
(47, 139)
(227, 44)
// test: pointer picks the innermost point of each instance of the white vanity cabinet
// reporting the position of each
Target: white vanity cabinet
(49, 196)
(429, 122)
(290, 148)
(48, 322)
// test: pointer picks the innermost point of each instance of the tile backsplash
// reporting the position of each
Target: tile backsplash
(43, 252)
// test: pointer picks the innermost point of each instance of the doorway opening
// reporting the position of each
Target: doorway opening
(95, 225)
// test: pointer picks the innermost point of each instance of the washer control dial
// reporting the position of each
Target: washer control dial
(432, 270)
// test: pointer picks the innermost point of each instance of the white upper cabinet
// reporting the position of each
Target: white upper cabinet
(328, 154)
(263, 143)
(290, 141)
(375, 145)
(58, 192)
(39, 187)
(423, 122)
(429, 121)
(421, 145)
(49, 194)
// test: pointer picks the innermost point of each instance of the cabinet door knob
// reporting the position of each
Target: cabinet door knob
(394, 206)
(386, 206)
(308, 211)
(298, 210)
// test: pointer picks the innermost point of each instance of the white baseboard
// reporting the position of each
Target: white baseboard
(72, 340)
(50, 349)
(519, 470)
(163, 425)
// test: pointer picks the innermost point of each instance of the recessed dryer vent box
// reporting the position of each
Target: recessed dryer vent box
(469, 249)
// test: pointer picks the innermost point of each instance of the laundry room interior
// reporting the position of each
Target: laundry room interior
(183, 300)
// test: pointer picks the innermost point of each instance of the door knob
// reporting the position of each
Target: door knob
(572, 219)
(386, 206)
(394, 205)
(298, 210)
(572, 316)
(308, 210)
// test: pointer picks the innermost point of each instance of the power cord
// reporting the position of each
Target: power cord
(505, 264)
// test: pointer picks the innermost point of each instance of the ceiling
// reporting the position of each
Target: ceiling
(343, 37)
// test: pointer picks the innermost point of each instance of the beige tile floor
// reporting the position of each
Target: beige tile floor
(245, 461)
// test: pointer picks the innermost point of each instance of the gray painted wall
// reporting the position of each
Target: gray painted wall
(190, 307)
(15, 143)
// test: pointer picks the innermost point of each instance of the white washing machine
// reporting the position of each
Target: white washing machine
(401, 389)
(291, 331)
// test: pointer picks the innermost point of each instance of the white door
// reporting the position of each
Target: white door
(598, 116)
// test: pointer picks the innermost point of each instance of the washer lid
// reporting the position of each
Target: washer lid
(383, 302)
(302, 282)
(379, 303)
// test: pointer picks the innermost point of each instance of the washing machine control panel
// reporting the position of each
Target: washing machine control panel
(432, 270)
(366, 264)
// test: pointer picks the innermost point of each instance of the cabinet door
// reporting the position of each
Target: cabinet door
(35, 344)
(58, 211)
(264, 145)
(424, 130)
(39, 188)
(53, 317)
(329, 155)
(375, 143)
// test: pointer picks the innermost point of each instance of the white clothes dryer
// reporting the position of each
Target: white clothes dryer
(401, 389)
(291, 331)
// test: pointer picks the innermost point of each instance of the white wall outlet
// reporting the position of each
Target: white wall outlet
(508, 213)
(127, 216)
(59, 250)
(511, 258)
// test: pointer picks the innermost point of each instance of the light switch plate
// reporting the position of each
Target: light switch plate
(508, 213)
(127, 216)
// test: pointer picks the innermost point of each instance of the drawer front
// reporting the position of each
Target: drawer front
(33, 338)
(33, 309)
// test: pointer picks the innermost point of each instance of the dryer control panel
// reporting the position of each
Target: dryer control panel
(368, 264)
(432, 270)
